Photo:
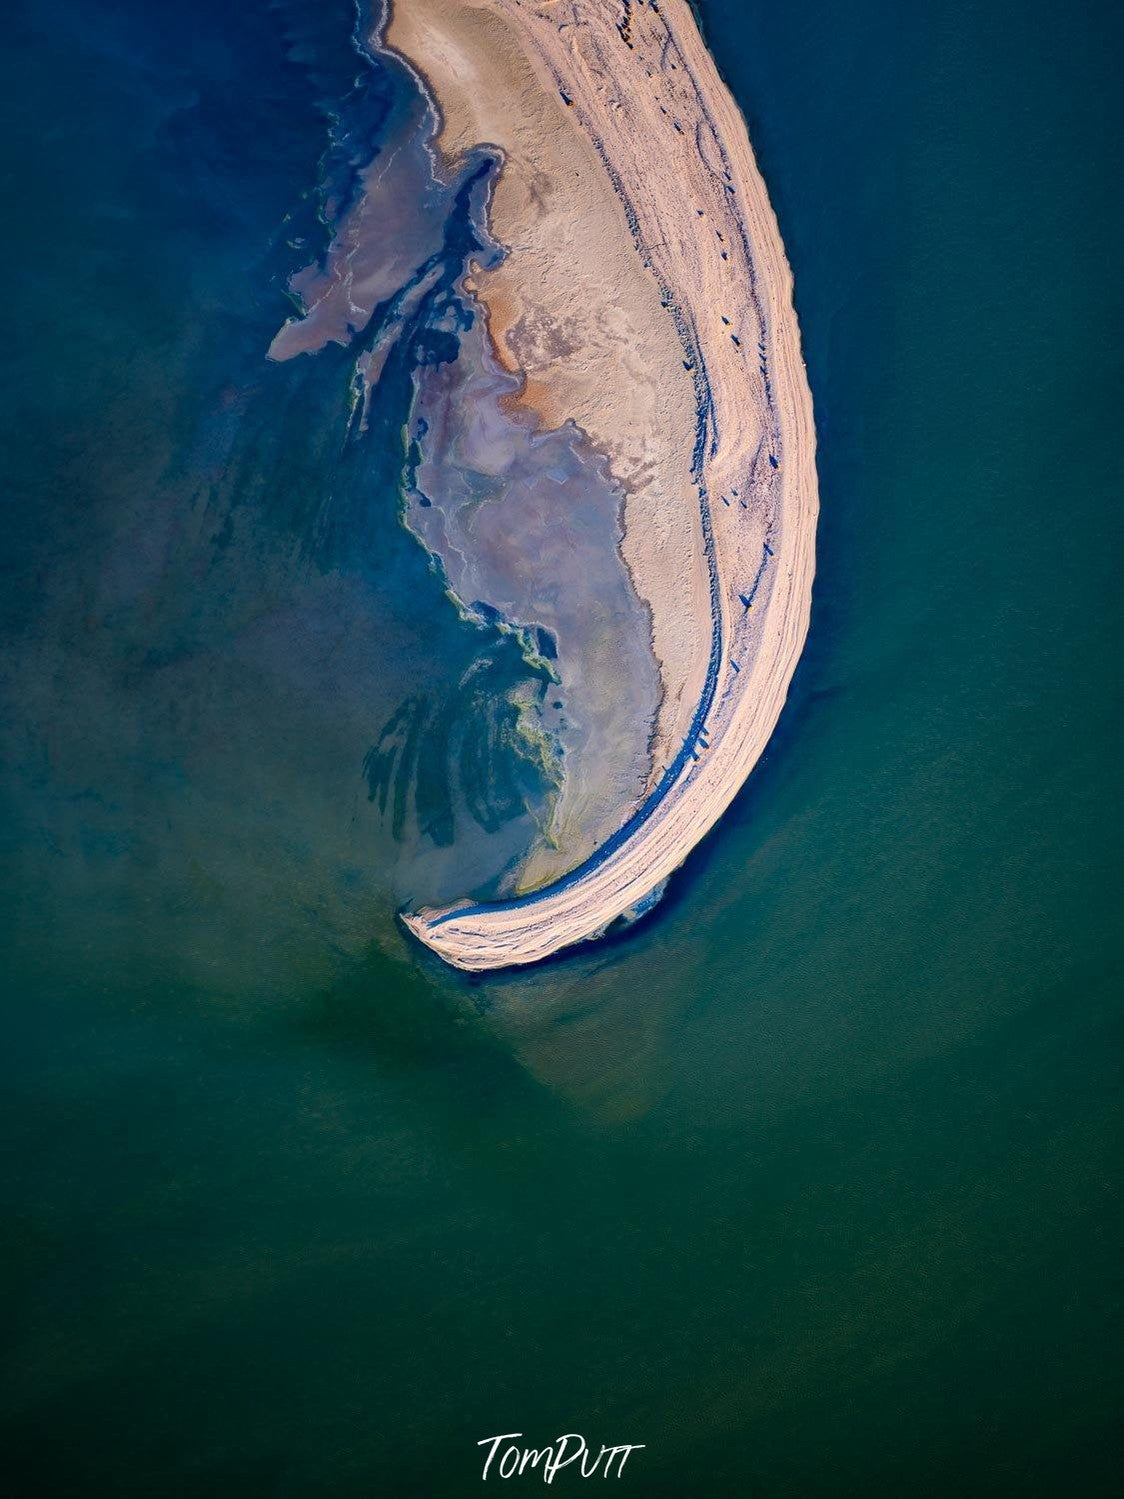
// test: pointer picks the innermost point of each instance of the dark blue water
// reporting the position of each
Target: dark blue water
(806, 1184)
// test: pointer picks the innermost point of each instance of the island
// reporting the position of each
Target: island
(645, 297)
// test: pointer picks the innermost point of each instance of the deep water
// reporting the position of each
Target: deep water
(806, 1183)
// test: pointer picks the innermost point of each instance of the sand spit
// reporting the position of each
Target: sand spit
(674, 265)
(575, 314)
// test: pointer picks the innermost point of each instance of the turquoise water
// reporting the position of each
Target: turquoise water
(807, 1183)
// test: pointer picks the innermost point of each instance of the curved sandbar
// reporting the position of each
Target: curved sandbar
(634, 84)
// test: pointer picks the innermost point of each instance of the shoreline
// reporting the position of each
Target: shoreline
(673, 147)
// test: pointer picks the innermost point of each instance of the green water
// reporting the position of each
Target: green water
(808, 1183)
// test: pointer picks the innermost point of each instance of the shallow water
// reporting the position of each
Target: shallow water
(805, 1183)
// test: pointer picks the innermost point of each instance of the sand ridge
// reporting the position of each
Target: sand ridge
(720, 523)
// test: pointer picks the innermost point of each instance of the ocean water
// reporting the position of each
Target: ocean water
(807, 1182)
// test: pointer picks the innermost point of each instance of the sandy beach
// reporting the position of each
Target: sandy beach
(646, 297)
